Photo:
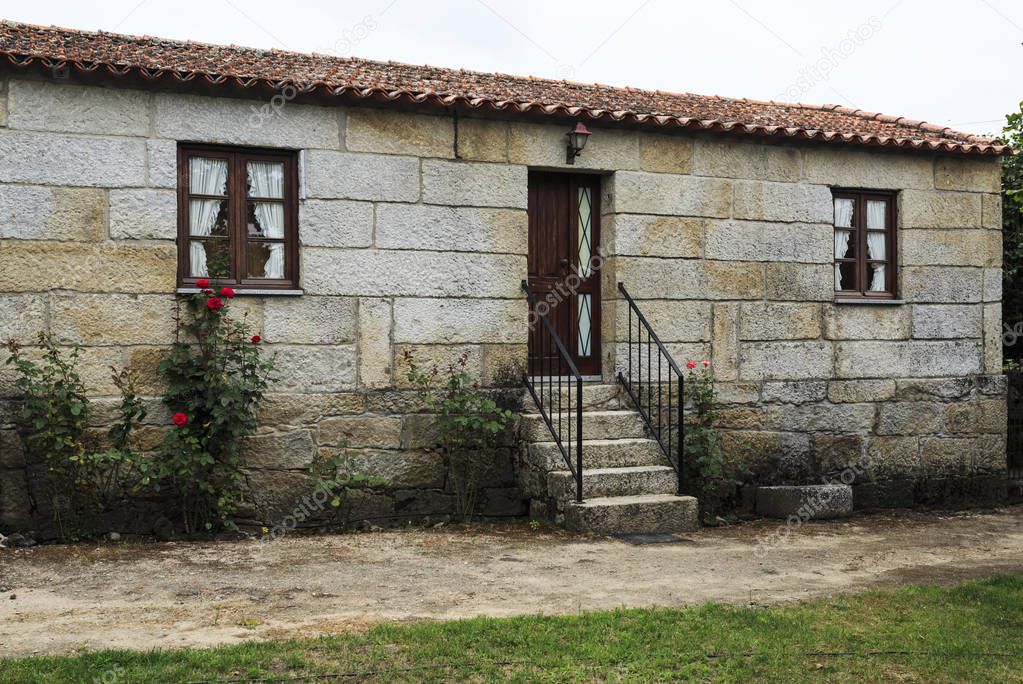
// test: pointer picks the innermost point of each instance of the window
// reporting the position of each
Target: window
(237, 217)
(864, 245)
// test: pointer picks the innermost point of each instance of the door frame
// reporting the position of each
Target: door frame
(590, 366)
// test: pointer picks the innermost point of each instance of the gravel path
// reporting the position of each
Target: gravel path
(60, 599)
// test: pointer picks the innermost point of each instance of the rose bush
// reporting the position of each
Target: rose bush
(216, 378)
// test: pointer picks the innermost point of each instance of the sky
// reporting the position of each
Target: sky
(949, 63)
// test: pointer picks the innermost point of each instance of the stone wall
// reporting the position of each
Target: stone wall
(413, 237)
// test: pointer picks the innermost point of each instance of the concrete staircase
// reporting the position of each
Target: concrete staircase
(628, 484)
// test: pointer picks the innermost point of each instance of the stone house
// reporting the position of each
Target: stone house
(841, 270)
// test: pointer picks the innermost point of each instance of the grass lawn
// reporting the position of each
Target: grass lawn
(969, 633)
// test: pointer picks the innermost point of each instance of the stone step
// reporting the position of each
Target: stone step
(608, 482)
(599, 453)
(612, 424)
(595, 396)
(643, 514)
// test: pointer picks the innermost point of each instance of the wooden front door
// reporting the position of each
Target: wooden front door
(564, 234)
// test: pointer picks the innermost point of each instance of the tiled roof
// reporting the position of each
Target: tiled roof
(157, 59)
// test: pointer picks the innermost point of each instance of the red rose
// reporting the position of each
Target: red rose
(202, 282)
(207, 292)
(180, 419)
(706, 364)
(214, 304)
(226, 292)
(256, 339)
(690, 365)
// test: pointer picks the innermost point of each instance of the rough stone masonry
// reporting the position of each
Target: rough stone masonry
(726, 244)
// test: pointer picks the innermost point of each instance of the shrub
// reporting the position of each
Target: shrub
(469, 424)
(216, 376)
(80, 482)
(336, 475)
(710, 477)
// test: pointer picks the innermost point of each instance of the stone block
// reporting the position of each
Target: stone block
(68, 108)
(278, 409)
(987, 415)
(245, 122)
(785, 360)
(326, 368)
(416, 503)
(335, 223)
(544, 145)
(851, 322)
(977, 175)
(661, 236)
(857, 169)
(502, 502)
(739, 418)
(346, 175)
(96, 319)
(22, 318)
(725, 331)
(992, 385)
(894, 457)
(884, 494)
(162, 163)
(45, 213)
(946, 321)
(856, 391)
(504, 364)
(762, 241)
(947, 456)
(840, 458)
(638, 192)
(992, 285)
(439, 357)
(910, 418)
(361, 432)
(143, 215)
(385, 131)
(309, 320)
(805, 502)
(665, 153)
(907, 359)
(835, 418)
(794, 391)
(790, 202)
(991, 211)
(474, 184)
(403, 273)
(942, 284)
(12, 454)
(15, 505)
(737, 392)
(749, 161)
(420, 226)
(924, 389)
(282, 498)
(672, 321)
(402, 469)
(31, 266)
(279, 450)
(956, 247)
(452, 321)
(75, 160)
(376, 363)
(779, 321)
(800, 282)
(482, 140)
(144, 362)
(992, 318)
(921, 209)
(649, 278)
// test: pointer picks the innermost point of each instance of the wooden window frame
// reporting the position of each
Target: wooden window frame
(236, 158)
(859, 228)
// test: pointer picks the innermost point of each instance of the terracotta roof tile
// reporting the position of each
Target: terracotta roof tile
(158, 59)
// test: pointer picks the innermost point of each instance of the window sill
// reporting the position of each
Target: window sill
(252, 292)
(869, 302)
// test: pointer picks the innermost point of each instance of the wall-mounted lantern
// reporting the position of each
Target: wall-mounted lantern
(576, 142)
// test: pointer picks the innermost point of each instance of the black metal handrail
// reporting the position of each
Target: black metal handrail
(670, 430)
(548, 362)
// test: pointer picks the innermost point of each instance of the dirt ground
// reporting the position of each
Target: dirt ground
(62, 599)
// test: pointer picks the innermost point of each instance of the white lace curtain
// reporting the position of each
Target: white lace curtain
(205, 177)
(266, 180)
(876, 214)
(843, 219)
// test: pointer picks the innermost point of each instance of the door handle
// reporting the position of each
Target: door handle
(563, 263)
